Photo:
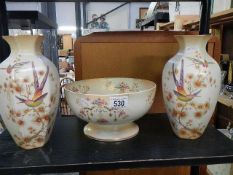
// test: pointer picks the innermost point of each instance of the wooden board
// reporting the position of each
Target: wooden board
(182, 170)
(217, 19)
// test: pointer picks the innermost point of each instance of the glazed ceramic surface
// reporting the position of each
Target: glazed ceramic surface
(29, 92)
(191, 85)
(110, 105)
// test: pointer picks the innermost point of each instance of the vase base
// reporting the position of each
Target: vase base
(30, 147)
(111, 133)
(186, 134)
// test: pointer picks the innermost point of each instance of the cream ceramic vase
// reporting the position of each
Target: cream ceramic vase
(29, 92)
(191, 85)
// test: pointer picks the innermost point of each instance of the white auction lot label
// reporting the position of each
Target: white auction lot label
(119, 101)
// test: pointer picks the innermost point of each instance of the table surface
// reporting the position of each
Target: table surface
(70, 150)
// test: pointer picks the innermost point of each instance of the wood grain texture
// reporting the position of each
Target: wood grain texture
(67, 42)
(183, 170)
(217, 19)
(225, 100)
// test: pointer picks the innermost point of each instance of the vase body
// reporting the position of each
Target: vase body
(29, 92)
(191, 85)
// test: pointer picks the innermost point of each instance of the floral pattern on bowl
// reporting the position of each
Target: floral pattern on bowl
(106, 114)
(111, 103)
(78, 88)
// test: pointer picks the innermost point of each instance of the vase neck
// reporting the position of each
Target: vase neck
(192, 41)
(24, 45)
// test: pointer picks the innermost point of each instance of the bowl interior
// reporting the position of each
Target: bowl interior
(106, 86)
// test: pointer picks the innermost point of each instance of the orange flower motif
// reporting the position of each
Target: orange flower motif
(193, 104)
(190, 76)
(52, 99)
(26, 111)
(198, 114)
(46, 118)
(41, 73)
(11, 112)
(40, 140)
(200, 107)
(182, 114)
(197, 83)
(179, 105)
(169, 97)
(25, 80)
(174, 112)
(18, 89)
(30, 128)
(38, 120)
(20, 122)
(18, 114)
(211, 79)
(26, 140)
(182, 132)
(207, 105)
(196, 131)
(41, 109)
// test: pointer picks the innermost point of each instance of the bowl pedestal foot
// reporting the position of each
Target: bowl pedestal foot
(111, 133)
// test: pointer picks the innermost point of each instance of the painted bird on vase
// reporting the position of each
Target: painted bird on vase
(180, 92)
(38, 96)
(203, 63)
(10, 68)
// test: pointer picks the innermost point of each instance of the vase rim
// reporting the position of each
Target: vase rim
(25, 44)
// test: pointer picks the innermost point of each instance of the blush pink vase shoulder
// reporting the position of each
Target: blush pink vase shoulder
(29, 92)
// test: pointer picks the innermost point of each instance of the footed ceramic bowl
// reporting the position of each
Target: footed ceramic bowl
(110, 105)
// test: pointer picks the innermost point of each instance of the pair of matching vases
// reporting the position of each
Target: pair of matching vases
(29, 90)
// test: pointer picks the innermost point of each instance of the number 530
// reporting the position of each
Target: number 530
(119, 103)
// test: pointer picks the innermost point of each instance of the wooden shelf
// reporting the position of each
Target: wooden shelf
(225, 100)
(224, 17)
(167, 26)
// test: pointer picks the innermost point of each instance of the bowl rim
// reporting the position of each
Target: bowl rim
(154, 86)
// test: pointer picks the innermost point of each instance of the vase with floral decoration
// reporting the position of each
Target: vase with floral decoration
(191, 85)
(29, 92)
